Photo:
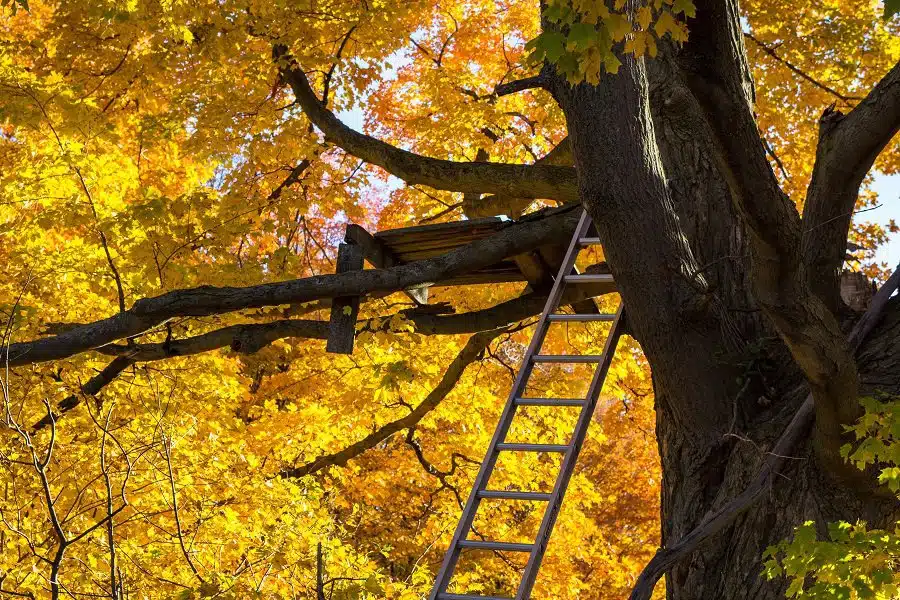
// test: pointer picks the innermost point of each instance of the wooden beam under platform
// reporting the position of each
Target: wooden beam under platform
(385, 249)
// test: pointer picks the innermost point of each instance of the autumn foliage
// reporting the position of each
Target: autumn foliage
(152, 146)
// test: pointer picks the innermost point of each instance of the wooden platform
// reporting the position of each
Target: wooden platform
(409, 244)
(385, 249)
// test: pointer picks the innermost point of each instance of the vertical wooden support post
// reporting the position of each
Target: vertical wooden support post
(344, 310)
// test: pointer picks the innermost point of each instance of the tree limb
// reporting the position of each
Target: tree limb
(251, 338)
(520, 85)
(526, 181)
(469, 354)
(715, 67)
(209, 300)
(847, 148)
(500, 204)
(667, 558)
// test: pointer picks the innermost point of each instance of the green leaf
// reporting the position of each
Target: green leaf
(553, 45)
(685, 6)
(581, 35)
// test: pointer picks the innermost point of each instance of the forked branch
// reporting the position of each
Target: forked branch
(716, 70)
(847, 148)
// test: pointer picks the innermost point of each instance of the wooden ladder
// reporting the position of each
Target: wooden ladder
(569, 451)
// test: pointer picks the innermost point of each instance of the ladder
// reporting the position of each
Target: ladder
(570, 451)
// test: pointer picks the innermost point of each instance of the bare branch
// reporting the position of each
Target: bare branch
(292, 178)
(167, 449)
(469, 354)
(90, 200)
(798, 71)
(10, 592)
(91, 388)
(208, 300)
(520, 85)
(526, 181)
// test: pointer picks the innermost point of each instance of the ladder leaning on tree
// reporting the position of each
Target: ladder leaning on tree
(554, 498)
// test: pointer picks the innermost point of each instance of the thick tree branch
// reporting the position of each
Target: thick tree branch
(775, 459)
(208, 300)
(527, 181)
(520, 85)
(847, 148)
(469, 354)
(251, 338)
(500, 204)
(716, 71)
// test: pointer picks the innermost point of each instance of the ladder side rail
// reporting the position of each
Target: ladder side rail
(570, 458)
(487, 466)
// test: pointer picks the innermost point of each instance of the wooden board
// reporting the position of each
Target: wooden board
(344, 310)
(391, 247)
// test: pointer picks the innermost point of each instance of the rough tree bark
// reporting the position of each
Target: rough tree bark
(703, 244)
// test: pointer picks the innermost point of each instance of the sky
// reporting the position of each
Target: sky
(888, 188)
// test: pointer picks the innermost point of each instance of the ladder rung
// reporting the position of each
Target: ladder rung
(504, 495)
(549, 401)
(581, 317)
(503, 546)
(470, 597)
(596, 280)
(588, 278)
(567, 358)
(533, 447)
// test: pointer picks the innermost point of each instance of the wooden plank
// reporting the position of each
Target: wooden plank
(407, 257)
(344, 310)
(444, 244)
(453, 226)
(480, 279)
(381, 257)
(374, 250)
(443, 230)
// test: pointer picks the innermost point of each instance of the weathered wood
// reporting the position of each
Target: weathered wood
(344, 310)
(374, 250)
(856, 290)
(381, 256)
(410, 244)
(452, 229)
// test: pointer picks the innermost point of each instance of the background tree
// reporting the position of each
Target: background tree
(152, 150)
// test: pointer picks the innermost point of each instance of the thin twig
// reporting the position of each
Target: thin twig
(771, 52)
(167, 447)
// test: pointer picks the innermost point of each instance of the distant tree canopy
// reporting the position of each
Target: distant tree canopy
(175, 178)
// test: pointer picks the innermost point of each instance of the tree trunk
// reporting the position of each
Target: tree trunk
(729, 565)
(726, 385)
